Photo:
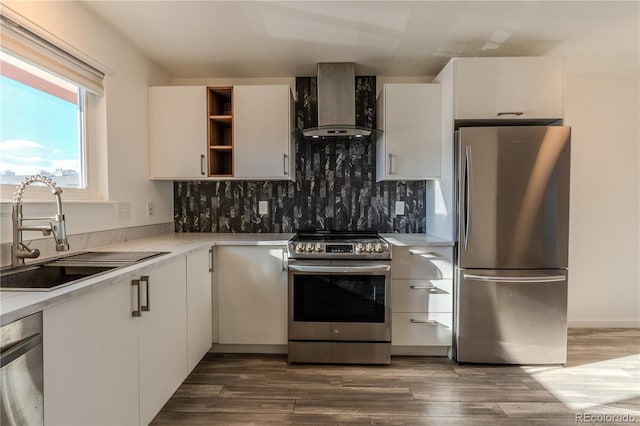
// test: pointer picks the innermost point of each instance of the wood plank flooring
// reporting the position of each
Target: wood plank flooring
(601, 378)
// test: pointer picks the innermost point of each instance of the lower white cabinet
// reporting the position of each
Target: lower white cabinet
(252, 295)
(421, 296)
(103, 364)
(90, 350)
(199, 321)
(162, 337)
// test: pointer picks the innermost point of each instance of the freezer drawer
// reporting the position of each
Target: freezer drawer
(511, 317)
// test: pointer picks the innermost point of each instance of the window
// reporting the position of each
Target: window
(41, 126)
(47, 97)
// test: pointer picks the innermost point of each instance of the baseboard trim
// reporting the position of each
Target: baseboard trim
(420, 350)
(248, 349)
(604, 324)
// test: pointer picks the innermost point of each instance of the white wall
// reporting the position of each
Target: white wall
(123, 121)
(602, 106)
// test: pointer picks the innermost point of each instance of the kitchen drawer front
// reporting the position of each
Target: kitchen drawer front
(434, 330)
(422, 262)
(421, 295)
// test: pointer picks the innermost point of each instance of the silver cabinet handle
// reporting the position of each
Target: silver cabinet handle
(428, 322)
(390, 163)
(415, 252)
(211, 260)
(285, 165)
(502, 279)
(137, 312)
(424, 287)
(7, 356)
(147, 306)
(516, 113)
(284, 260)
(202, 164)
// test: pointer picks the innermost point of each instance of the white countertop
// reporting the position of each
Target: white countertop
(17, 304)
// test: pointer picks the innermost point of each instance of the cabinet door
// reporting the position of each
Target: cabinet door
(91, 359)
(421, 329)
(508, 88)
(177, 132)
(262, 125)
(163, 336)
(252, 295)
(422, 262)
(409, 148)
(199, 324)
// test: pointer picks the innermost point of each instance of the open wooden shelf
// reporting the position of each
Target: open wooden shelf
(220, 111)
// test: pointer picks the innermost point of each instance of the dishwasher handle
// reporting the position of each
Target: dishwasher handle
(15, 351)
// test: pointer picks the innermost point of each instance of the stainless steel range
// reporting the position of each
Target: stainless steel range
(339, 298)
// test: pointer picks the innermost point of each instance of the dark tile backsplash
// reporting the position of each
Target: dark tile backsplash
(335, 186)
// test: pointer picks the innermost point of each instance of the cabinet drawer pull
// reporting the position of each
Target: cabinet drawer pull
(390, 163)
(424, 287)
(428, 322)
(137, 312)
(202, 165)
(285, 169)
(147, 306)
(211, 260)
(415, 252)
(516, 113)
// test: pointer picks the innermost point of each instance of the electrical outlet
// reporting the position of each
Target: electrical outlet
(149, 208)
(124, 210)
(263, 207)
(399, 208)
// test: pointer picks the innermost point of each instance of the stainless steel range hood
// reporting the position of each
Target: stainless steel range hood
(336, 106)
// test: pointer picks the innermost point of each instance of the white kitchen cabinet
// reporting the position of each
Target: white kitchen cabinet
(252, 295)
(177, 132)
(163, 337)
(410, 116)
(90, 351)
(508, 88)
(199, 321)
(102, 365)
(421, 297)
(262, 126)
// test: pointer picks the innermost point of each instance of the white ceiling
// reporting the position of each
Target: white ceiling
(194, 39)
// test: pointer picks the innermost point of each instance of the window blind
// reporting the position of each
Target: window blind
(25, 44)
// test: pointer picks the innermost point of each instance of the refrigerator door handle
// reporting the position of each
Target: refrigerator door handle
(537, 279)
(467, 195)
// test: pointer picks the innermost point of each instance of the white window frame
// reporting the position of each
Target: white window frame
(93, 150)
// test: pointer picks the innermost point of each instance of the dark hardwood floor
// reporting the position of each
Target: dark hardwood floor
(601, 381)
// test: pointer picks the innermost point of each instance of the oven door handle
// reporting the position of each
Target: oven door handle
(340, 269)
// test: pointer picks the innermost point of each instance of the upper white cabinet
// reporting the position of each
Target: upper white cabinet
(410, 116)
(262, 125)
(252, 295)
(239, 132)
(178, 132)
(508, 88)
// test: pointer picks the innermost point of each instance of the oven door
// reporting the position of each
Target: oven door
(339, 301)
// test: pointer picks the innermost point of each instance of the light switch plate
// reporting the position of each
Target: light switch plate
(399, 208)
(149, 208)
(263, 207)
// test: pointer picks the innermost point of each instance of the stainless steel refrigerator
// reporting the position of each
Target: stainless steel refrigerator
(512, 251)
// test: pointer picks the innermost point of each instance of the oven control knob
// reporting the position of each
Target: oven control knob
(359, 247)
(369, 247)
(318, 247)
(309, 247)
(378, 247)
(299, 248)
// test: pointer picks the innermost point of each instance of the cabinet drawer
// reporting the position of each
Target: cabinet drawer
(434, 330)
(422, 262)
(421, 295)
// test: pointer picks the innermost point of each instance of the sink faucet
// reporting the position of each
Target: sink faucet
(19, 250)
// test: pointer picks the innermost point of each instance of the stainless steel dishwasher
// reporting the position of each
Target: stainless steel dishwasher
(21, 396)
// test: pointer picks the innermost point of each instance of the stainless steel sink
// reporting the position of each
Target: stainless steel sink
(68, 270)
